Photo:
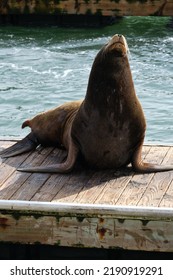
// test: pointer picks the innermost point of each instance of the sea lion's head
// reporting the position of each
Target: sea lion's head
(111, 54)
(117, 45)
(110, 75)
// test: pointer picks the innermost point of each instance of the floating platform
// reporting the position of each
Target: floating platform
(87, 208)
(79, 13)
(89, 7)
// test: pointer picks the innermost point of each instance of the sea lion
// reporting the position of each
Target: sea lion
(107, 128)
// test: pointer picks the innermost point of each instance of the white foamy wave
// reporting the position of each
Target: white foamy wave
(66, 72)
(168, 39)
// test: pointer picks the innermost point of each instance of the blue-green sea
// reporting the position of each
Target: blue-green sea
(41, 68)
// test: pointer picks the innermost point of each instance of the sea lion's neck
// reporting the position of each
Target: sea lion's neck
(107, 87)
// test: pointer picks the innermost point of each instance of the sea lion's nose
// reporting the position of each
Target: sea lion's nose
(117, 38)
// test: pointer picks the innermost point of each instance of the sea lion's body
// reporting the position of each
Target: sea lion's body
(111, 119)
(52, 127)
(107, 128)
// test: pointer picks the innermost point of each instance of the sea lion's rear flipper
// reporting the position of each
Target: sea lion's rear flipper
(27, 144)
(63, 167)
(143, 167)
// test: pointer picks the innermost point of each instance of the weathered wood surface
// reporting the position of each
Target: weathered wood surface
(86, 208)
(101, 7)
(87, 226)
(84, 185)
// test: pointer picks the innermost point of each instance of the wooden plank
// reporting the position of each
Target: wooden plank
(8, 167)
(113, 190)
(14, 181)
(90, 210)
(50, 188)
(73, 186)
(3, 145)
(126, 8)
(167, 199)
(54, 182)
(158, 185)
(35, 181)
(137, 186)
(91, 190)
(91, 7)
(63, 187)
(87, 226)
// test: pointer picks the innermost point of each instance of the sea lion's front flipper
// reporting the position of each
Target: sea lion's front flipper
(63, 167)
(143, 167)
(27, 144)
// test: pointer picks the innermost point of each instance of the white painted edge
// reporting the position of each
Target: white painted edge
(95, 210)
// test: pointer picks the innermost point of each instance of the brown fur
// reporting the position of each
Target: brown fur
(111, 119)
(50, 127)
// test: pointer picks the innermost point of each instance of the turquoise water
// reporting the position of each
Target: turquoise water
(41, 68)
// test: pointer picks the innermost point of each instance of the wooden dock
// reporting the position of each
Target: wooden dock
(87, 208)
(88, 7)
